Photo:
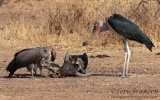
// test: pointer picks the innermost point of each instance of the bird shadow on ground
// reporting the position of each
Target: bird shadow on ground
(114, 75)
(24, 76)
(106, 75)
(39, 76)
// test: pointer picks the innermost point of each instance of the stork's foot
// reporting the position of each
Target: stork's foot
(123, 76)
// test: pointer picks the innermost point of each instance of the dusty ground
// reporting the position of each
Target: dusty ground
(104, 84)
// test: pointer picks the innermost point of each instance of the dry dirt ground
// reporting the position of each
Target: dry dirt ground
(143, 82)
(104, 84)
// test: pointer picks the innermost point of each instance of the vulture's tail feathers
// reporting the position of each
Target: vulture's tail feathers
(11, 67)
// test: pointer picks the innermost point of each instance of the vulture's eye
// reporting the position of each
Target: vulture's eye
(45, 50)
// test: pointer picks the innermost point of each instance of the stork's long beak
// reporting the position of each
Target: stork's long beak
(94, 32)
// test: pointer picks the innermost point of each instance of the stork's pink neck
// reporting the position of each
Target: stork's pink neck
(104, 28)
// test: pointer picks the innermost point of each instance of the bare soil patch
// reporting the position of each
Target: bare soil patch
(105, 82)
(23, 24)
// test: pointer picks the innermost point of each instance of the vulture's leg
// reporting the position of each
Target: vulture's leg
(31, 68)
(35, 69)
(40, 67)
(40, 70)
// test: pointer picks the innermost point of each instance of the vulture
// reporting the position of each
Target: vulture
(31, 58)
(71, 69)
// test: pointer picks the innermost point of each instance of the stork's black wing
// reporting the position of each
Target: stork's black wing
(129, 30)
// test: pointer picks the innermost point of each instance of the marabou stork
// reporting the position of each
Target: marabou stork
(127, 30)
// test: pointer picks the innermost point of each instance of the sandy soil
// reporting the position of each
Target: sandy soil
(104, 84)
(143, 82)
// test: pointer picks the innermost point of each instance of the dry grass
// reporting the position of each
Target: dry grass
(68, 23)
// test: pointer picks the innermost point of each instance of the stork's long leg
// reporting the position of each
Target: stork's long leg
(124, 66)
(127, 54)
(128, 57)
